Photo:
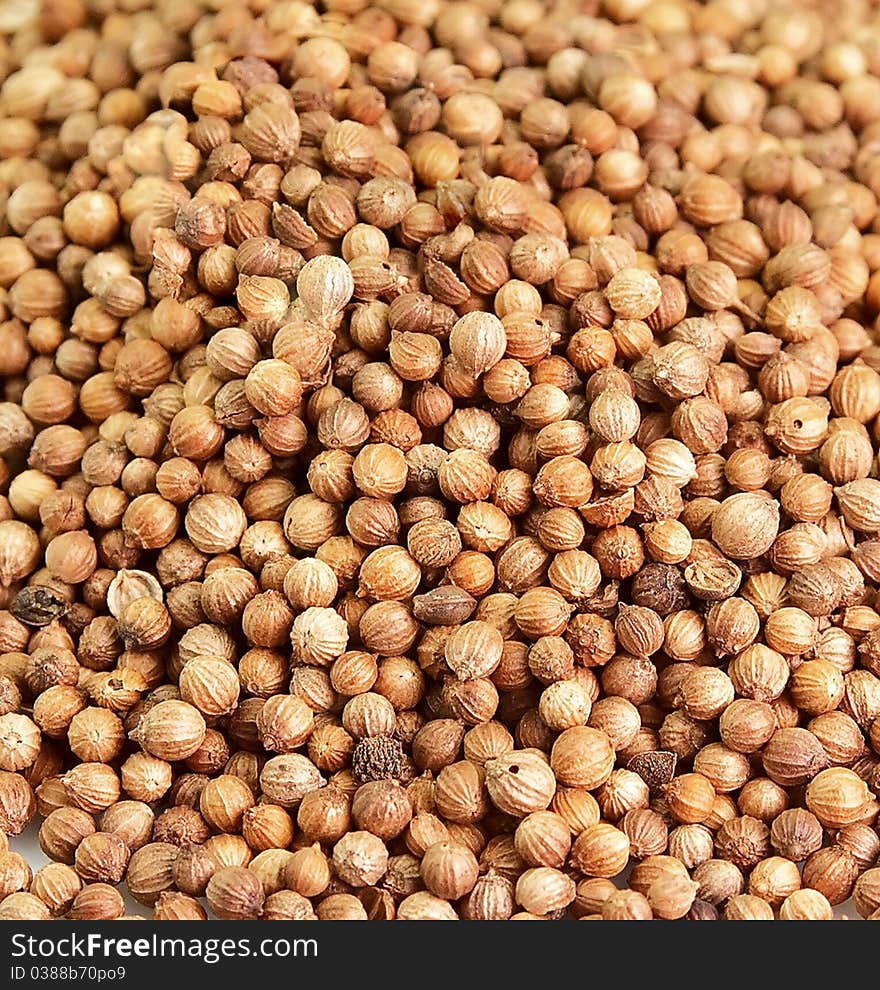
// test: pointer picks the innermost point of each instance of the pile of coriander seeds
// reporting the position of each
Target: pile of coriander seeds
(438, 454)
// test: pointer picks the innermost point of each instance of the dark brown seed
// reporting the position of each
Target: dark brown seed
(702, 911)
(660, 587)
(38, 606)
(656, 768)
(378, 758)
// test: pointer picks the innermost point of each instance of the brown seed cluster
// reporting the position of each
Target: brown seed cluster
(438, 456)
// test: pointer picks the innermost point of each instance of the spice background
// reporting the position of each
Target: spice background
(28, 846)
(439, 459)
